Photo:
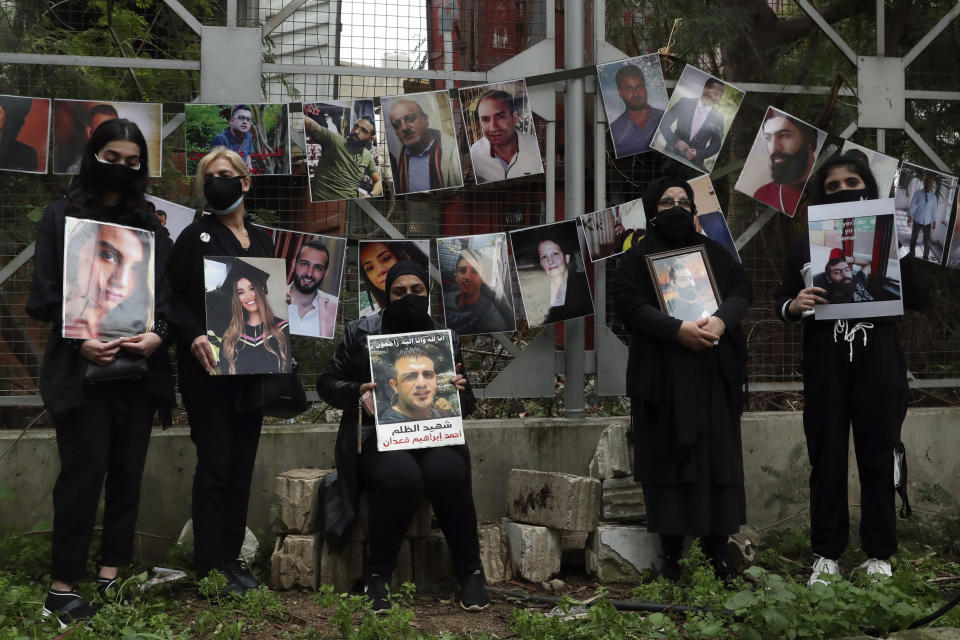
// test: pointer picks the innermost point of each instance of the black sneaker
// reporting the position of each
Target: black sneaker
(241, 574)
(375, 588)
(724, 572)
(473, 592)
(109, 590)
(233, 587)
(68, 607)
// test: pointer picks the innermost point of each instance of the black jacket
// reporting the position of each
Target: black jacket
(339, 386)
(61, 374)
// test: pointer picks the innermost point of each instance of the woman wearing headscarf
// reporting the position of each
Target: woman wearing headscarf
(854, 373)
(225, 435)
(685, 380)
(396, 480)
(102, 428)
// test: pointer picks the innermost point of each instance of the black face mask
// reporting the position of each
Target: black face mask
(410, 311)
(845, 195)
(223, 194)
(675, 222)
(113, 177)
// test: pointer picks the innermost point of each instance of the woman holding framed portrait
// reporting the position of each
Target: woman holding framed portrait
(685, 375)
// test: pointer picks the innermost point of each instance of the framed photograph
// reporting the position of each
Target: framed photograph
(74, 121)
(477, 291)
(260, 133)
(24, 133)
(634, 97)
(684, 282)
(343, 161)
(855, 245)
(247, 315)
(108, 280)
(609, 232)
(416, 403)
(780, 161)
(925, 212)
(375, 258)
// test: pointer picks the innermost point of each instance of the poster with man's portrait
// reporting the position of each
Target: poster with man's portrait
(477, 292)
(780, 161)
(416, 402)
(375, 258)
(108, 280)
(634, 97)
(500, 130)
(247, 314)
(883, 167)
(925, 211)
(853, 258)
(953, 255)
(422, 141)
(74, 121)
(175, 217)
(684, 282)
(343, 161)
(611, 231)
(710, 220)
(24, 134)
(551, 272)
(259, 133)
(314, 266)
(697, 120)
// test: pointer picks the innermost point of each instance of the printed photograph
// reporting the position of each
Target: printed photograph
(634, 97)
(375, 259)
(953, 255)
(551, 272)
(314, 265)
(341, 149)
(422, 141)
(684, 283)
(883, 167)
(416, 402)
(611, 231)
(853, 255)
(260, 133)
(477, 292)
(780, 161)
(107, 280)
(710, 220)
(697, 120)
(74, 121)
(247, 315)
(500, 131)
(24, 134)
(175, 217)
(925, 211)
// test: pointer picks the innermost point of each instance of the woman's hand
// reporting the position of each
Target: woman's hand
(715, 326)
(203, 352)
(101, 353)
(144, 344)
(367, 386)
(806, 300)
(459, 381)
(695, 335)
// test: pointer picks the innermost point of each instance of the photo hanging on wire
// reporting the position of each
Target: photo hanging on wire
(375, 258)
(342, 152)
(477, 291)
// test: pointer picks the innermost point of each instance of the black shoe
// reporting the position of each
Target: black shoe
(375, 588)
(473, 592)
(670, 569)
(241, 574)
(108, 589)
(68, 607)
(724, 572)
(233, 587)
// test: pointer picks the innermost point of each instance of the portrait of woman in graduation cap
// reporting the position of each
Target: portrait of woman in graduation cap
(255, 340)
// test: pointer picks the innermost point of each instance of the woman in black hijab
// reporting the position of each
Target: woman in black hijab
(396, 480)
(685, 380)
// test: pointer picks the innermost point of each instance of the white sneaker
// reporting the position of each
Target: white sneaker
(823, 566)
(876, 568)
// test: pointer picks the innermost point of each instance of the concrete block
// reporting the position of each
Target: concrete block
(620, 553)
(622, 500)
(432, 565)
(555, 500)
(295, 562)
(613, 457)
(534, 551)
(295, 500)
(494, 553)
(574, 540)
(342, 568)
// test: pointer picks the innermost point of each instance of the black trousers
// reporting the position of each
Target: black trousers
(914, 232)
(106, 438)
(869, 393)
(226, 443)
(397, 480)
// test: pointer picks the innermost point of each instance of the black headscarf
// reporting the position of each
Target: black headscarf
(409, 313)
(673, 227)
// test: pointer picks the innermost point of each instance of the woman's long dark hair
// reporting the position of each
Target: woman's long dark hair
(84, 193)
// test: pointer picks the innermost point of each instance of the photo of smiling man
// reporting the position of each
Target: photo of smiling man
(422, 141)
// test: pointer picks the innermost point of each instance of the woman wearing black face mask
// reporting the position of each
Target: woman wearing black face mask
(103, 429)
(853, 373)
(396, 480)
(226, 439)
(685, 381)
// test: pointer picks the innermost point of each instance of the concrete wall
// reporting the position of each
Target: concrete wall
(932, 438)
